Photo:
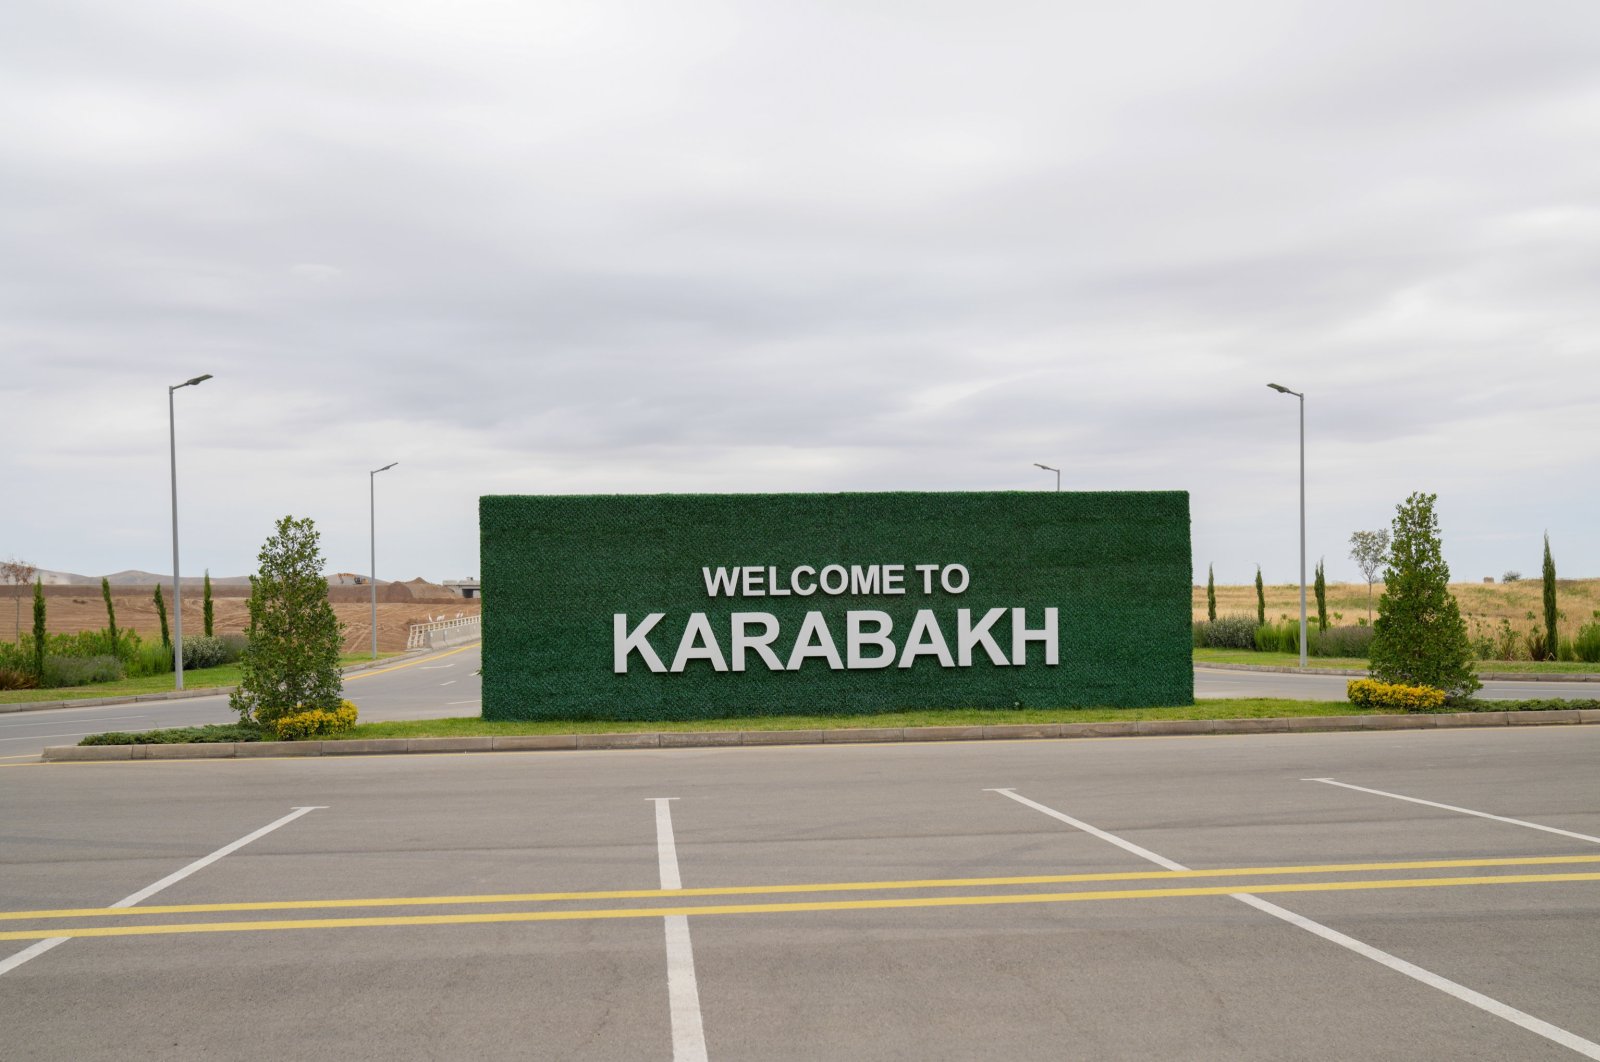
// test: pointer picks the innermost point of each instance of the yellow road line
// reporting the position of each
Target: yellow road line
(756, 890)
(410, 663)
(1256, 888)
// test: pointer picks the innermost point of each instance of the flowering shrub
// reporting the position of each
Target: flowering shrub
(315, 723)
(1365, 693)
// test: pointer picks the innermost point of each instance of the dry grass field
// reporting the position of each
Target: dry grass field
(1484, 605)
(71, 609)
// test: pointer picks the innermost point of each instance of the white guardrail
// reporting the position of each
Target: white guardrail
(444, 632)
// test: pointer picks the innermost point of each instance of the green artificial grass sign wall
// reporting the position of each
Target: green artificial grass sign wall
(685, 606)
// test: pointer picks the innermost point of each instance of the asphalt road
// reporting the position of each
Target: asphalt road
(447, 684)
(1414, 931)
(431, 686)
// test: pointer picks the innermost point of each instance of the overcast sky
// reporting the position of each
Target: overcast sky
(593, 247)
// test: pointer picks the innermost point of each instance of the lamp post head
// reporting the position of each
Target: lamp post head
(1047, 468)
(385, 468)
(1284, 390)
(191, 382)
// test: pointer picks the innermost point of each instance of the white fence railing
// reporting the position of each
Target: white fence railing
(444, 632)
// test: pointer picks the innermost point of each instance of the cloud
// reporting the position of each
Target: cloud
(620, 247)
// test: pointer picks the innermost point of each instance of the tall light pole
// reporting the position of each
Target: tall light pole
(177, 584)
(1284, 390)
(1047, 468)
(372, 571)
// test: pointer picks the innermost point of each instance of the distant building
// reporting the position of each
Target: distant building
(464, 587)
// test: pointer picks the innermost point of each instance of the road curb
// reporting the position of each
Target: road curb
(1345, 672)
(851, 735)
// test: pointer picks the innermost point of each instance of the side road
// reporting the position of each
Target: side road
(180, 695)
(701, 739)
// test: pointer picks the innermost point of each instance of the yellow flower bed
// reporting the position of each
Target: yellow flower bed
(1366, 693)
(315, 723)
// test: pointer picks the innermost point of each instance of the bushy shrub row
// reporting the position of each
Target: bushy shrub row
(1341, 642)
(94, 656)
(61, 672)
(1546, 704)
(1242, 632)
(315, 723)
(1226, 632)
(1366, 693)
(181, 735)
(13, 678)
(1586, 646)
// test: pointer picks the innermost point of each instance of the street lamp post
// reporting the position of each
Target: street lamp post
(1047, 468)
(177, 584)
(1284, 390)
(372, 570)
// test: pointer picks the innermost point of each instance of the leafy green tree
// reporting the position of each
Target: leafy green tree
(291, 663)
(1211, 593)
(1261, 599)
(1370, 551)
(111, 617)
(208, 608)
(161, 614)
(38, 630)
(1321, 587)
(1549, 599)
(1419, 638)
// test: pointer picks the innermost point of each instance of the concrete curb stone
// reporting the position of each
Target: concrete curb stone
(257, 750)
(686, 739)
(942, 733)
(619, 741)
(220, 750)
(862, 735)
(532, 742)
(1553, 718)
(1174, 726)
(782, 737)
(853, 735)
(365, 746)
(450, 744)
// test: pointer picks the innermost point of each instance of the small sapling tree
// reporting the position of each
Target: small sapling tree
(1370, 551)
(1211, 593)
(18, 573)
(111, 618)
(1419, 638)
(207, 608)
(291, 663)
(161, 614)
(1550, 614)
(1321, 588)
(1261, 599)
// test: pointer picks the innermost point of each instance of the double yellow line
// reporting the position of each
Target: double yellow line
(1000, 899)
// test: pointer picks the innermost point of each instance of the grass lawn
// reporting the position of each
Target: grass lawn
(201, 679)
(1241, 708)
(1248, 656)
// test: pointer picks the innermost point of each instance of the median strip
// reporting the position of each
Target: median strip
(853, 735)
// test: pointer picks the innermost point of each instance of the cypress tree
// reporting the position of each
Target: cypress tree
(1211, 593)
(1419, 637)
(1550, 615)
(1261, 599)
(38, 630)
(1322, 598)
(111, 618)
(210, 612)
(161, 613)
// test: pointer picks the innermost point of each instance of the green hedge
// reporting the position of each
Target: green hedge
(556, 569)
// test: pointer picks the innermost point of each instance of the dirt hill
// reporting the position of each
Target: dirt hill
(77, 608)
